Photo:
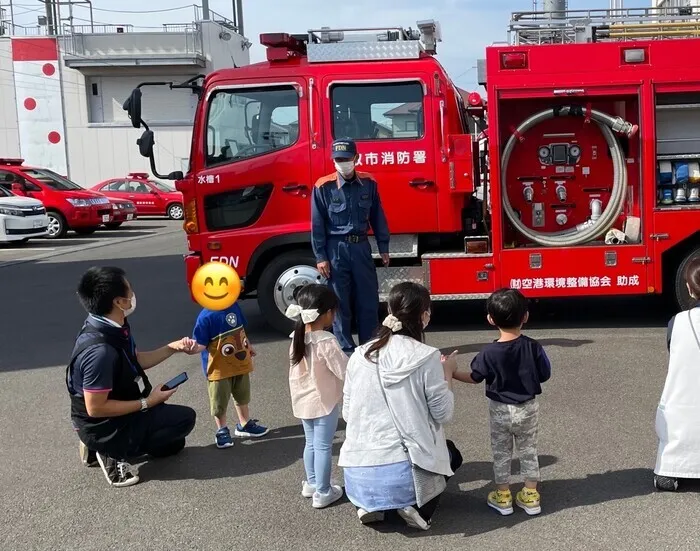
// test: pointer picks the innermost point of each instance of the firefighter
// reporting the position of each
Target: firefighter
(344, 206)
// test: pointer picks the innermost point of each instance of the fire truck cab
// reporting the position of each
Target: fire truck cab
(558, 188)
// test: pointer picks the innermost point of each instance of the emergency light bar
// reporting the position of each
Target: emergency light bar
(12, 162)
(282, 46)
(138, 175)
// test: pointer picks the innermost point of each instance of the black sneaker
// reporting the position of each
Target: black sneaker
(117, 473)
(87, 456)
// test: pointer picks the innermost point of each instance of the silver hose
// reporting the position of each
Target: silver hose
(607, 124)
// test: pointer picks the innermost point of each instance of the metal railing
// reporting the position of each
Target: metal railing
(180, 39)
(562, 27)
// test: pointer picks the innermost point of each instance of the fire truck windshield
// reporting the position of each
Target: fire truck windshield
(247, 122)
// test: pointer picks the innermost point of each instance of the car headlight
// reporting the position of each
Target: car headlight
(115, 207)
(78, 202)
(10, 212)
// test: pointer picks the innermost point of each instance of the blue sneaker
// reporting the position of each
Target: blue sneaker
(251, 429)
(223, 438)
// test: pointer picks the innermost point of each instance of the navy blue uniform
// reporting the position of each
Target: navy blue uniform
(513, 370)
(342, 213)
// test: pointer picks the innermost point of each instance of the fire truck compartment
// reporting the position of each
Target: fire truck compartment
(570, 169)
(677, 148)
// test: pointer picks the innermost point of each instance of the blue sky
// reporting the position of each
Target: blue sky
(467, 25)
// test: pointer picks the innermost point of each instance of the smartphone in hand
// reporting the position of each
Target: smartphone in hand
(175, 381)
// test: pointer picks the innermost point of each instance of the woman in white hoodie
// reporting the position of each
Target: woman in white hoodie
(396, 398)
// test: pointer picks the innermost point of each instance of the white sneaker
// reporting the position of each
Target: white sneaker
(307, 490)
(118, 473)
(367, 518)
(413, 518)
(324, 500)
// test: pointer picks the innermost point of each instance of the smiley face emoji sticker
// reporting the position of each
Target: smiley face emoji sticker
(216, 286)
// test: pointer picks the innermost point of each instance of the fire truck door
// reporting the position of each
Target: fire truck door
(257, 162)
(391, 121)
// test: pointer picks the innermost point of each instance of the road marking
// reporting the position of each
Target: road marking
(30, 249)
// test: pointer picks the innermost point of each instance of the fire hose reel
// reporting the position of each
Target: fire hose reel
(601, 220)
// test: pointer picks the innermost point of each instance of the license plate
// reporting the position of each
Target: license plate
(129, 216)
(105, 217)
(38, 224)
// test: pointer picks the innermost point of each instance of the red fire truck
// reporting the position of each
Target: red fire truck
(579, 178)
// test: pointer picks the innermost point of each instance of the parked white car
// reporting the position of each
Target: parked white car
(21, 218)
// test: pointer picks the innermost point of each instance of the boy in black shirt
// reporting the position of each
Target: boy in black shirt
(513, 367)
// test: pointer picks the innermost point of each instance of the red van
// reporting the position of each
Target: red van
(68, 206)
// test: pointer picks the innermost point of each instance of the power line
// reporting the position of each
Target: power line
(142, 11)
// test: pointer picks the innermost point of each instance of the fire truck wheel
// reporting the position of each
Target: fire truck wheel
(277, 282)
(682, 296)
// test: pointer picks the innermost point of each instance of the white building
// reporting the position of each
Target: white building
(61, 98)
(674, 3)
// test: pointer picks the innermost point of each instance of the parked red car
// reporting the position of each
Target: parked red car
(122, 211)
(152, 198)
(68, 206)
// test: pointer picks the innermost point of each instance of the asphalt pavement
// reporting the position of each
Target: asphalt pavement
(597, 440)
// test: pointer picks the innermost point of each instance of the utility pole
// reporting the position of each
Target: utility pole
(205, 10)
(50, 22)
(238, 11)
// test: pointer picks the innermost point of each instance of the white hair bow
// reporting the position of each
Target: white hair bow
(307, 316)
(393, 323)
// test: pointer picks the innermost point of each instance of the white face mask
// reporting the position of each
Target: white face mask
(131, 309)
(346, 168)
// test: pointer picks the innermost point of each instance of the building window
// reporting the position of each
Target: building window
(377, 111)
(249, 122)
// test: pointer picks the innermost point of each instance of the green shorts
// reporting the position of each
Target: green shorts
(221, 391)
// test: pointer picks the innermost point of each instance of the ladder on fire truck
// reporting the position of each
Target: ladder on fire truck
(621, 24)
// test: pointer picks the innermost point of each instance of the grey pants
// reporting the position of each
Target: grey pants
(519, 423)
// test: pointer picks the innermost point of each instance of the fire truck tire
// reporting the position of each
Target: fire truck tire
(683, 299)
(277, 282)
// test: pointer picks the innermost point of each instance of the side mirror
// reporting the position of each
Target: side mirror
(146, 143)
(18, 189)
(132, 106)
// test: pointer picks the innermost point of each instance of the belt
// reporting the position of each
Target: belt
(350, 238)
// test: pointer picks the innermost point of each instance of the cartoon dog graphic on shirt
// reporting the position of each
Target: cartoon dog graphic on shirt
(230, 352)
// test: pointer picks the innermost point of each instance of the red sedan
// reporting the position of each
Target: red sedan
(152, 198)
(122, 211)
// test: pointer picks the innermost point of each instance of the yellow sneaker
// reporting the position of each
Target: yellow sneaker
(529, 501)
(501, 502)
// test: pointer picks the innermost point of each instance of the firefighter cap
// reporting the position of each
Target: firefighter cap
(343, 149)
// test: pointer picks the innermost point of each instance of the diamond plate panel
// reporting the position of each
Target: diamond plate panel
(388, 277)
(400, 246)
(363, 51)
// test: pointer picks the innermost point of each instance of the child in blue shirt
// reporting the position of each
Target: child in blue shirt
(513, 368)
(227, 361)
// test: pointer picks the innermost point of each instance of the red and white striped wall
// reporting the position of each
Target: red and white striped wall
(38, 92)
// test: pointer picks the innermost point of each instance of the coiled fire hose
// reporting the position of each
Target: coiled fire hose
(593, 229)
